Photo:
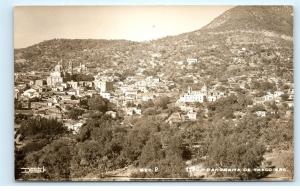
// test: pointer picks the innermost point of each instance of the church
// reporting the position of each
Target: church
(55, 76)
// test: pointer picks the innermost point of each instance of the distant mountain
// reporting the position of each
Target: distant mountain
(241, 40)
(278, 19)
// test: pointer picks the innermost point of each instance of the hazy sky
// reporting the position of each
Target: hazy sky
(35, 24)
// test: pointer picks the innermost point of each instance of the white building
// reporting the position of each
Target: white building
(55, 76)
(191, 60)
(73, 92)
(151, 80)
(278, 93)
(81, 68)
(39, 82)
(58, 88)
(186, 108)
(192, 115)
(194, 96)
(130, 95)
(73, 84)
(74, 126)
(273, 96)
(113, 114)
(31, 93)
(213, 95)
(211, 98)
(105, 95)
(16, 94)
(147, 97)
(260, 113)
(268, 97)
(103, 86)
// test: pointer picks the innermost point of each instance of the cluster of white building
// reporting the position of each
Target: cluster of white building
(135, 90)
(197, 96)
(276, 96)
(194, 96)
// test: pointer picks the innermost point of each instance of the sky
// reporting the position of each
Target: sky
(33, 24)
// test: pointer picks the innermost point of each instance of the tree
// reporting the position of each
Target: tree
(55, 158)
(239, 148)
(130, 104)
(18, 104)
(288, 163)
(147, 104)
(74, 113)
(277, 134)
(267, 86)
(285, 97)
(39, 126)
(84, 103)
(162, 102)
(134, 143)
(96, 102)
(100, 148)
(82, 77)
(152, 152)
(167, 161)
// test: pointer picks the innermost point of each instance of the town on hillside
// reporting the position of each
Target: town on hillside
(210, 105)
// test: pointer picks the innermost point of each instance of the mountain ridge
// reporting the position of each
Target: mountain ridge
(278, 19)
(218, 38)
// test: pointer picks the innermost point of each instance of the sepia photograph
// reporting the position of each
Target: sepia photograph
(154, 93)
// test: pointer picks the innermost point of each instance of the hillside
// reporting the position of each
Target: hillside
(270, 18)
(237, 42)
(243, 39)
(44, 55)
(215, 104)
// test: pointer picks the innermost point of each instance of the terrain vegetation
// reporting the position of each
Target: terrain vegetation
(252, 45)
